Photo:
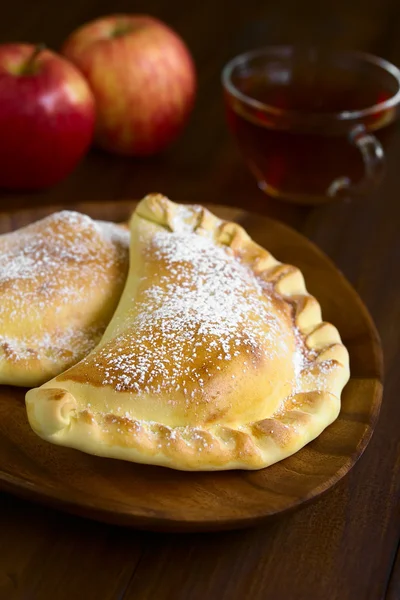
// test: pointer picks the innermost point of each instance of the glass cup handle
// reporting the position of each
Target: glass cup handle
(374, 161)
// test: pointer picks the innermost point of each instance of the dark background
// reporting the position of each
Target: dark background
(344, 546)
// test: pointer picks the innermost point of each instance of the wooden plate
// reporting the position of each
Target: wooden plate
(162, 499)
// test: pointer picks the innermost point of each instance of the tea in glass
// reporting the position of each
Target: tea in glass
(304, 119)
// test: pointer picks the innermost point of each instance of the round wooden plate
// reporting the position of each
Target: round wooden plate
(162, 499)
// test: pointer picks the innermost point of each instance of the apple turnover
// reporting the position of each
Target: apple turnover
(60, 281)
(216, 357)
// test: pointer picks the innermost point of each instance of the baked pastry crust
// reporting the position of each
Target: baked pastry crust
(60, 281)
(216, 357)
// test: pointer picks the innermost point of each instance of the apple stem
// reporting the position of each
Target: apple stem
(29, 67)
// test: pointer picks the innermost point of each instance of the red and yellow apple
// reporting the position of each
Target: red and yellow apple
(47, 116)
(143, 79)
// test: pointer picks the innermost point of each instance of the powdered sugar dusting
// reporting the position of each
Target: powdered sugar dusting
(58, 348)
(64, 239)
(115, 234)
(182, 219)
(49, 266)
(203, 310)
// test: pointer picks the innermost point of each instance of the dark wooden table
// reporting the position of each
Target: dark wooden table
(344, 546)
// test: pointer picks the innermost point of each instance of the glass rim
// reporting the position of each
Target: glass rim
(345, 115)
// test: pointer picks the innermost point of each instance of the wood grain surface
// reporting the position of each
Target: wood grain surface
(163, 499)
(343, 547)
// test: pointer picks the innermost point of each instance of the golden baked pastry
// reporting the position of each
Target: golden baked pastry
(60, 281)
(216, 358)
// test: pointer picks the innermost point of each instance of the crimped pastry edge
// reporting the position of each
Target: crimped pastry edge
(248, 446)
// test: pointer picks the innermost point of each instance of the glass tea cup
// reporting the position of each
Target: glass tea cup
(312, 124)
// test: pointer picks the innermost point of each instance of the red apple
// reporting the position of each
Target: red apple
(143, 79)
(47, 116)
